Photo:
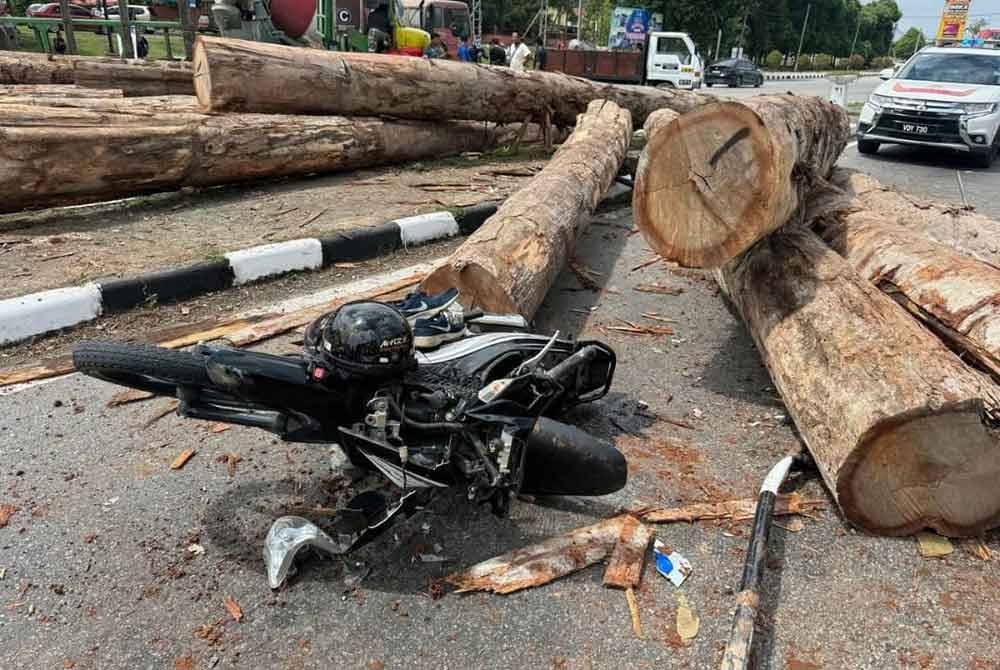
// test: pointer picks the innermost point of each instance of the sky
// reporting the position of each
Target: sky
(925, 14)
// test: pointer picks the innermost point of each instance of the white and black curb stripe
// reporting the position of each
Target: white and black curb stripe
(780, 76)
(46, 311)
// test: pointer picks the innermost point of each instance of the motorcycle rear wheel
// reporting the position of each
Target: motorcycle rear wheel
(141, 366)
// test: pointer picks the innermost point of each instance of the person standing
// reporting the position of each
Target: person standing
(497, 54)
(517, 53)
(464, 53)
(540, 54)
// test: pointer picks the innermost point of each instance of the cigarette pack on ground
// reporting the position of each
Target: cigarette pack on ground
(670, 564)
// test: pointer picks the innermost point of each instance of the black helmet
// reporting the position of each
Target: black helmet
(365, 337)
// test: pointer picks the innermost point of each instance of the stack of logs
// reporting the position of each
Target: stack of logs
(876, 327)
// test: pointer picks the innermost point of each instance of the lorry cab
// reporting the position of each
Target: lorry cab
(449, 19)
(672, 59)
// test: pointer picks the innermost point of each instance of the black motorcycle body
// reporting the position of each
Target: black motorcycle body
(479, 413)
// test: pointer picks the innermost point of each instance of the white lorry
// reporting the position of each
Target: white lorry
(665, 59)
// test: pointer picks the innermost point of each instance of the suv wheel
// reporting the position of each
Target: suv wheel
(985, 159)
(867, 147)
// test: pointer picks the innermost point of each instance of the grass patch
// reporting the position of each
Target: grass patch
(92, 44)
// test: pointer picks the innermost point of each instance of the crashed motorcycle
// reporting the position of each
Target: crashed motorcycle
(478, 412)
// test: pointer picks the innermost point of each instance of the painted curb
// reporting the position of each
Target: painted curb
(37, 313)
(25, 316)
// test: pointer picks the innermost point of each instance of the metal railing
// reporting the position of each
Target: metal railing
(43, 27)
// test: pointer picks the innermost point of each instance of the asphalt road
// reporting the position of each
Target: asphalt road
(97, 571)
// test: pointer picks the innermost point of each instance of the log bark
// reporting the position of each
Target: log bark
(75, 163)
(78, 116)
(135, 79)
(18, 67)
(901, 430)
(234, 75)
(145, 106)
(509, 264)
(954, 295)
(965, 230)
(56, 91)
(543, 562)
(625, 566)
(715, 180)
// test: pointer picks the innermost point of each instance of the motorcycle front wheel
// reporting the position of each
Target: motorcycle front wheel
(141, 366)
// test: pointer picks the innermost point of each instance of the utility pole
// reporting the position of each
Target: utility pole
(802, 37)
(743, 26)
(67, 26)
(579, 20)
(718, 44)
(855, 40)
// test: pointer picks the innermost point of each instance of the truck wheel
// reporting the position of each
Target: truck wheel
(709, 84)
(985, 159)
(867, 147)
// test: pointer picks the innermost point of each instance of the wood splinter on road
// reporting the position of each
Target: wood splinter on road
(182, 459)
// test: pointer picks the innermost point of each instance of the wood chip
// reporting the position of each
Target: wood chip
(676, 422)
(625, 567)
(795, 525)
(347, 265)
(732, 510)
(128, 396)
(182, 458)
(647, 263)
(584, 275)
(230, 460)
(219, 427)
(543, 562)
(687, 623)
(633, 610)
(233, 608)
(653, 316)
(933, 545)
(313, 218)
(55, 256)
(6, 512)
(166, 409)
(658, 288)
(979, 550)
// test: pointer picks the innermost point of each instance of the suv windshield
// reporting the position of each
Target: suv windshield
(956, 68)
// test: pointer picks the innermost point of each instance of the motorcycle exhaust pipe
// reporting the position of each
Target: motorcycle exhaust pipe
(564, 460)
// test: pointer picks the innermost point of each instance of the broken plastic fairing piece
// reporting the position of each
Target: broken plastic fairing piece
(288, 535)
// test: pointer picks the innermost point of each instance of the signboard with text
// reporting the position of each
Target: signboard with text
(953, 18)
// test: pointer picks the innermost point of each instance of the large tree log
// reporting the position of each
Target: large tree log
(60, 165)
(970, 233)
(79, 116)
(17, 67)
(902, 431)
(135, 78)
(956, 296)
(234, 75)
(509, 264)
(715, 180)
(56, 91)
(147, 106)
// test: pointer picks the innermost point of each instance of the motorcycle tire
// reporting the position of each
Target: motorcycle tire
(564, 460)
(141, 366)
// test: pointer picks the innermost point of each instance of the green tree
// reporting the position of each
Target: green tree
(773, 60)
(909, 43)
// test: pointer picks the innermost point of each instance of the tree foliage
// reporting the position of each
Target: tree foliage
(765, 25)
(906, 45)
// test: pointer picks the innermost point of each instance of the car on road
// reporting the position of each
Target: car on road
(945, 97)
(734, 72)
(136, 13)
(52, 10)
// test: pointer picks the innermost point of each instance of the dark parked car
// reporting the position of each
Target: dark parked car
(734, 72)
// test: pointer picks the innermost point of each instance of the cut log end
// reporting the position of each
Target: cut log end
(476, 284)
(711, 182)
(934, 469)
(202, 76)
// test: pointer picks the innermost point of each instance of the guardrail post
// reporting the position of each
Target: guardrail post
(126, 37)
(189, 13)
(166, 43)
(67, 20)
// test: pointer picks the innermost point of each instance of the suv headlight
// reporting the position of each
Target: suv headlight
(971, 108)
(878, 101)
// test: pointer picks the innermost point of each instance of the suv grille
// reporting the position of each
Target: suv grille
(909, 124)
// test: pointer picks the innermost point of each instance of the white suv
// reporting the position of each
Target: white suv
(945, 97)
